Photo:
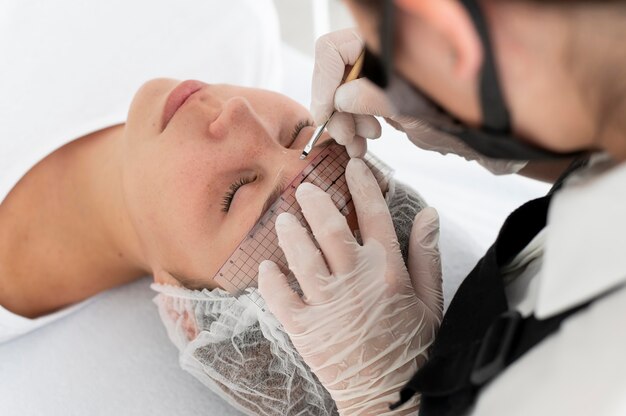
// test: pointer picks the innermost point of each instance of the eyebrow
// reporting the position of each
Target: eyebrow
(281, 186)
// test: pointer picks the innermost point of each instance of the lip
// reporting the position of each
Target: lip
(177, 98)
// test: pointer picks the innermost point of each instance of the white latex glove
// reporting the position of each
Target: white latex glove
(358, 101)
(365, 321)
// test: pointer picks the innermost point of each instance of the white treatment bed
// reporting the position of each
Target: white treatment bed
(113, 357)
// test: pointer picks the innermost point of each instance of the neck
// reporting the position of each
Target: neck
(69, 237)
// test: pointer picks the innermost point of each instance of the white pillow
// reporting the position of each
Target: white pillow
(71, 67)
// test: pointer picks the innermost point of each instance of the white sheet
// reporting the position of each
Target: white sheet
(113, 357)
(71, 67)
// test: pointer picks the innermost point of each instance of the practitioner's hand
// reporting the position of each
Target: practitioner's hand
(358, 101)
(365, 322)
(333, 52)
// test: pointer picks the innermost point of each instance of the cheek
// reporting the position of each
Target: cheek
(144, 115)
(167, 200)
(165, 175)
(178, 195)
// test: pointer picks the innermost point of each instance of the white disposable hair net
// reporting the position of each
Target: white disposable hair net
(241, 352)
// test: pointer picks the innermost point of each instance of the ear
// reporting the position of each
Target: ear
(453, 22)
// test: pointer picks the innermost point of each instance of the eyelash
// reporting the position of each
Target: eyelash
(230, 194)
(298, 128)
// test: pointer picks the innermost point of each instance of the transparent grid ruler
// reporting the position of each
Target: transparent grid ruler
(327, 171)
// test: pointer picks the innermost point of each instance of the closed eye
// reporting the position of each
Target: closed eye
(298, 128)
(227, 200)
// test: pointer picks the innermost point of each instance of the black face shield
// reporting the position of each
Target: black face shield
(494, 139)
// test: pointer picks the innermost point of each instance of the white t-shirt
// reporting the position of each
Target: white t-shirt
(579, 369)
(71, 67)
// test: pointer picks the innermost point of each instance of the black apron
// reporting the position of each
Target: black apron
(479, 336)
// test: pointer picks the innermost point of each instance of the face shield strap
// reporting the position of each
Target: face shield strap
(494, 109)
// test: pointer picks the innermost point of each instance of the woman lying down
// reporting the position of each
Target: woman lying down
(173, 192)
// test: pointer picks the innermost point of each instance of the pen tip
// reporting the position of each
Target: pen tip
(303, 156)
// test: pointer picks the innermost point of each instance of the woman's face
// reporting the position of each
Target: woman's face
(197, 176)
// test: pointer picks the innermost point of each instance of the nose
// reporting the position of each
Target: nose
(240, 125)
(236, 115)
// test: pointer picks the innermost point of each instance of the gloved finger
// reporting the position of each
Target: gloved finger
(333, 52)
(424, 263)
(281, 300)
(357, 147)
(366, 126)
(362, 97)
(371, 209)
(304, 258)
(341, 128)
(329, 227)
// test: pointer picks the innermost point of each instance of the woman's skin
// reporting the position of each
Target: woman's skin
(147, 197)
